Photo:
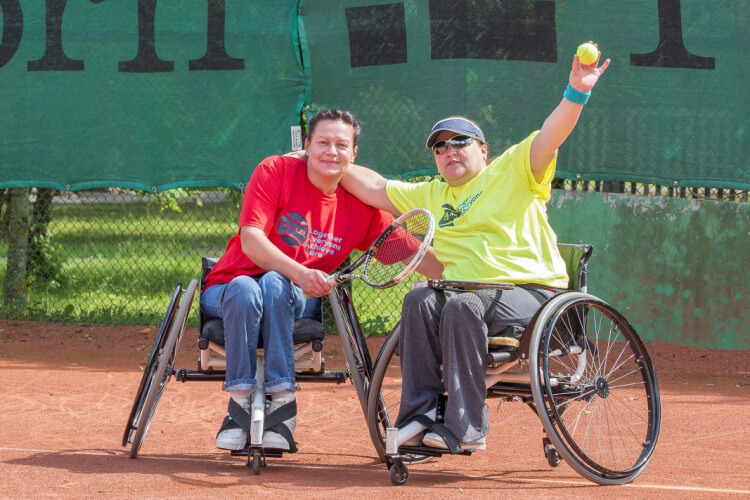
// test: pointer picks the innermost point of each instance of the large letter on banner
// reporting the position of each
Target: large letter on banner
(147, 94)
(671, 109)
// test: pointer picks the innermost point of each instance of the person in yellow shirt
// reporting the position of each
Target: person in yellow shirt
(492, 226)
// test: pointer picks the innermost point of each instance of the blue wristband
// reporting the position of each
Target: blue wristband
(576, 96)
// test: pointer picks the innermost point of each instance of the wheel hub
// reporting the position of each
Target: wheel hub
(601, 386)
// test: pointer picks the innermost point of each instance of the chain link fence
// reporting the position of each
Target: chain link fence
(114, 256)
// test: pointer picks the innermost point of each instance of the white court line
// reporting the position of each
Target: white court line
(369, 468)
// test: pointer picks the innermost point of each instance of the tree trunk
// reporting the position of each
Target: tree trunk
(4, 202)
(41, 215)
(42, 212)
(18, 239)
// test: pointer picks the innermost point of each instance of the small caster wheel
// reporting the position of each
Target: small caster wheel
(399, 474)
(553, 457)
(256, 464)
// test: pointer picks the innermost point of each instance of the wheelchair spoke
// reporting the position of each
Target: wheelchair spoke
(620, 377)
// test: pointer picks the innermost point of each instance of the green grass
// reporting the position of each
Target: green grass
(121, 263)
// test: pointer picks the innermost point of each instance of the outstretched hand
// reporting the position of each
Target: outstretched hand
(583, 77)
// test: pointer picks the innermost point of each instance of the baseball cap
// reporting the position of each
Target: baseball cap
(457, 124)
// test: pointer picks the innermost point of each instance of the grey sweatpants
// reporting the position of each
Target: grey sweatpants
(450, 329)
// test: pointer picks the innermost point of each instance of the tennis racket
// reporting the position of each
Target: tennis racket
(463, 285)
(394, 254)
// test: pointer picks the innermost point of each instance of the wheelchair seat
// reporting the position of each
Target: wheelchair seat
(212, 328)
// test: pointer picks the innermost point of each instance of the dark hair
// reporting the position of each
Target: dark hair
(334, 114)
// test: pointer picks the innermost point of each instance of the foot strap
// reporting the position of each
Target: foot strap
(274, 422)
(238, 414)
(451, 441)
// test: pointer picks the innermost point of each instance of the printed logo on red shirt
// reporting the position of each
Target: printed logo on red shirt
(293, 229)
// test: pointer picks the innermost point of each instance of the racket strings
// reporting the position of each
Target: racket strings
(397, 251)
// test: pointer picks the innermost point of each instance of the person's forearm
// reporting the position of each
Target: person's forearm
(431, 266)
(555, 131)
(259, 249)
(561, 122)
(369, 187)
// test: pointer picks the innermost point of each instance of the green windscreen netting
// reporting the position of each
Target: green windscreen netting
(672, 107)
(145, 94)
(165, 93)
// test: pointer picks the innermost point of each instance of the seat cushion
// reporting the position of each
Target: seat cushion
(305, 330)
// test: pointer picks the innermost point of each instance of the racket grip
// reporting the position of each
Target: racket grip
(332, 279)
(419, 284)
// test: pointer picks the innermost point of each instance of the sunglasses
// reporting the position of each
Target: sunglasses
(457, 141)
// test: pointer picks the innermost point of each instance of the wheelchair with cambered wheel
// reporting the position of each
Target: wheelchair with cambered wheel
(309, 338)
(580, 366)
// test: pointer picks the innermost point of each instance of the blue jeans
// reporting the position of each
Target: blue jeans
(265, 309)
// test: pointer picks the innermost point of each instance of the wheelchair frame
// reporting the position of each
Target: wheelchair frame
(574, 334)
(550, 336)
(160, 368)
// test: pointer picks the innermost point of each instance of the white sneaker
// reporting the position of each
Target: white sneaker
(232, 436)
(274, 440)
(434, 440)
(415, 441)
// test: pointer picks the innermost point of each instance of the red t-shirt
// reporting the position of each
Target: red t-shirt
(315, 229)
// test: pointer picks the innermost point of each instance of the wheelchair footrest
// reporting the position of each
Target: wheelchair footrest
(336, 376)
(427, 451)
(268, 452)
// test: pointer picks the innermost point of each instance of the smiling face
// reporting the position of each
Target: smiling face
(330, 151)
(459, 166)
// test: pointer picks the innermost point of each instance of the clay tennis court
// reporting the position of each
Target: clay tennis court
(68, 389)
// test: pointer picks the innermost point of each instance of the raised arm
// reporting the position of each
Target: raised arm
(369, 187)
(561, 122)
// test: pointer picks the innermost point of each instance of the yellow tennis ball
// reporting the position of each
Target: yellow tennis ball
(587, 53)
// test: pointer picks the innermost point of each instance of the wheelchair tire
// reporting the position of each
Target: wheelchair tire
(151, 364)
(164, 369)
(384, 398)
(594, 388)
(398, 474)
(257, 464)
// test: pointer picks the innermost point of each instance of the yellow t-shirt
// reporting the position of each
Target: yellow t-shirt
(494, 227)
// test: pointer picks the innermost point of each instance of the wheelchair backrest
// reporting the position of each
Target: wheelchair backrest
(207, 263)
(576, 257)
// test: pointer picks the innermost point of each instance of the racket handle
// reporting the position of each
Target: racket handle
(419, 284)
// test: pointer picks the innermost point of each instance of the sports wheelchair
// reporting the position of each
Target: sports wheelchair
(309, 336)
(579, 366)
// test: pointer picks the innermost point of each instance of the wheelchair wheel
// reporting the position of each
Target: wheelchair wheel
(151, 364)
(163, 371)
(594, 388)
(257, 463)
(384, 398)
